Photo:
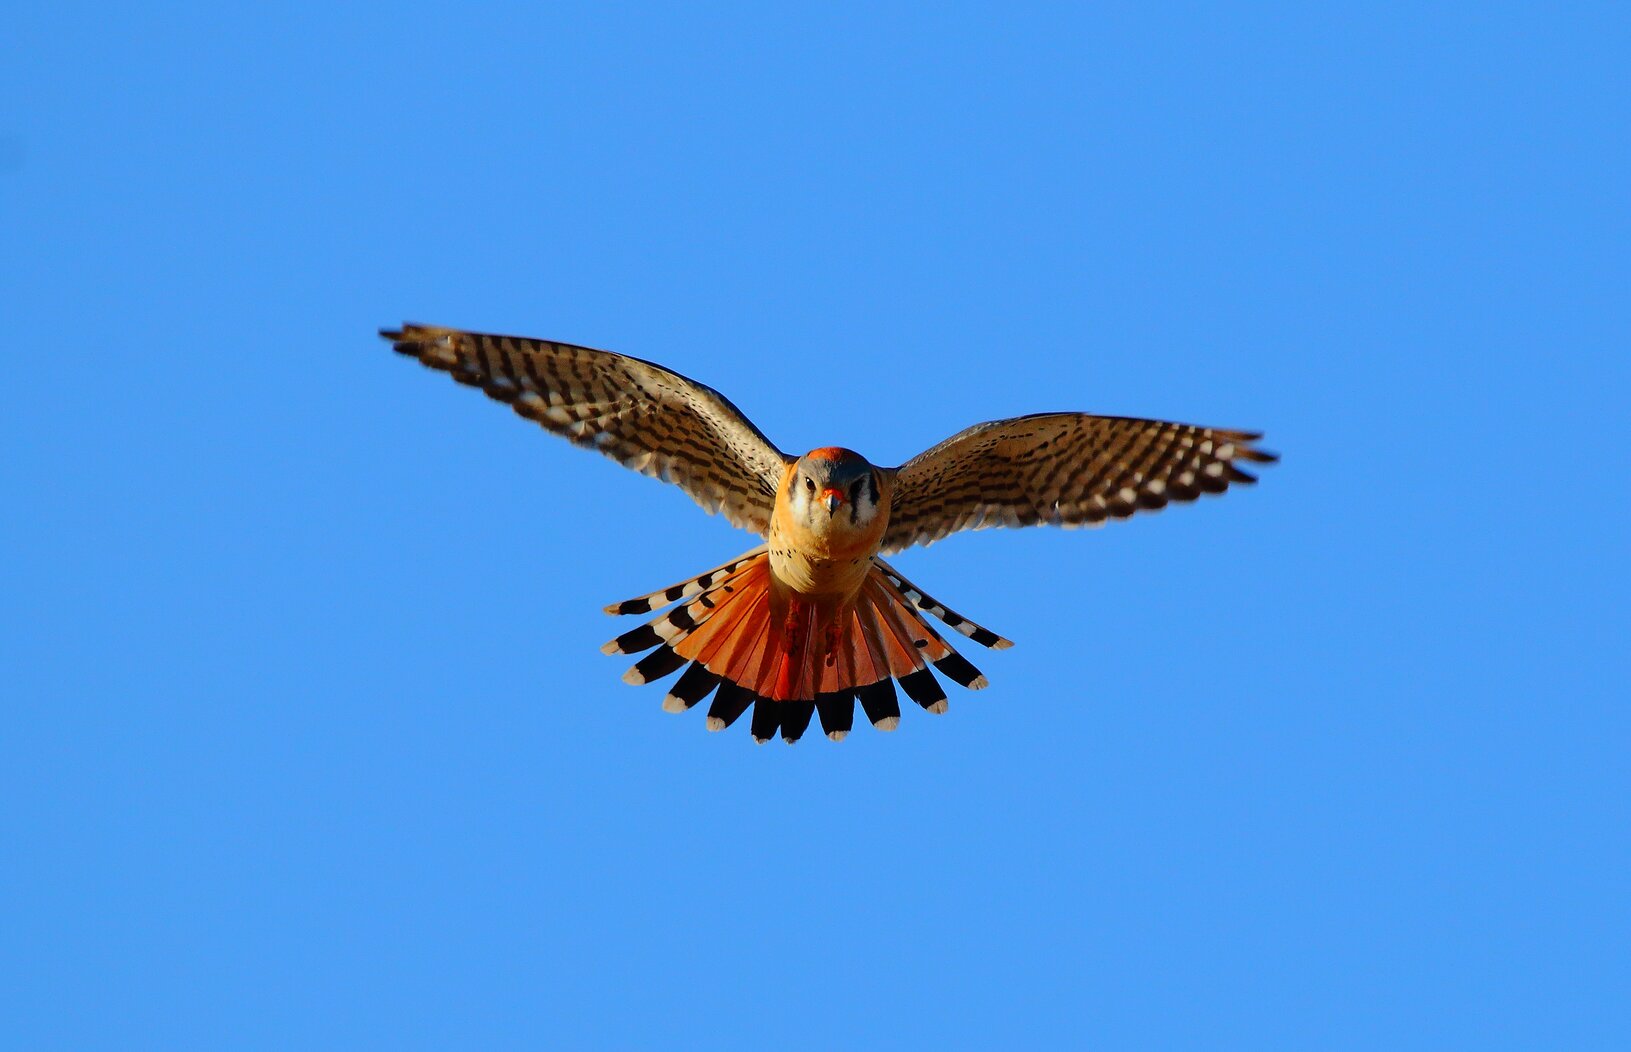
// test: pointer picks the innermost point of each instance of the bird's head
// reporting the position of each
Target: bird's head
(834, 490)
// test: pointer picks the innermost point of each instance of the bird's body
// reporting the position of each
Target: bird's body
(815, 619)
(817, 550)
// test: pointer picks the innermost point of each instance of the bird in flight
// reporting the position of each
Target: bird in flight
(815, 619)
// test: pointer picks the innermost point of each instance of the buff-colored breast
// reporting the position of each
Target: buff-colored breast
(830, 559)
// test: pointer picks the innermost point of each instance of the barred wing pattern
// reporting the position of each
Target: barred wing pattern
(1064, 469)
(643, 416)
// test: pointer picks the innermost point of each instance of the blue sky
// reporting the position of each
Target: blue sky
(308, 742)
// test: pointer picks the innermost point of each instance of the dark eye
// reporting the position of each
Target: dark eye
(809, 484)
(855, 492)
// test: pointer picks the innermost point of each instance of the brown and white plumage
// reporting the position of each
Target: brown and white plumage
(814, 620)
(643, 416)
(1060, 469)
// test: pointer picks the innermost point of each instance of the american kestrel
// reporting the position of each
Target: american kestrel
(814, 618)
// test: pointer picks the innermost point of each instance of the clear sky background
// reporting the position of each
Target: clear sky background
(307, 742)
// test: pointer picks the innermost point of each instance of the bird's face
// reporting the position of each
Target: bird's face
(834, 491)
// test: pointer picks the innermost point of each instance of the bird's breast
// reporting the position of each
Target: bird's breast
(820, 562)
(816, 575)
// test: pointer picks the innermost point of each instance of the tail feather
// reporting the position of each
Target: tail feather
(837, 709)
(962, 671)
(796, 717)
(645, 604)
(694, 684)
(957, 622)
(900, 656)
(766, 718)
(730, 701)
(871, 663)
(735, 639)
(749, 644)
(926, 646)
(680, 622)
(923, 688)
(853, 663)
(911, 645)
(654, 666)
(792, 673)
(879, 703)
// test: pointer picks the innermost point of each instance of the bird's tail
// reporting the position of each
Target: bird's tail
(750, 642)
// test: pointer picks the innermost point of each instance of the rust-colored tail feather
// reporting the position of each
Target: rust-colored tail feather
(791, 658)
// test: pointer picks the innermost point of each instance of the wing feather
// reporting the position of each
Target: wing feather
(645, 417)
(1063, 469)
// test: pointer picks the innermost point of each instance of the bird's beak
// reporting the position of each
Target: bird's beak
(832, 497)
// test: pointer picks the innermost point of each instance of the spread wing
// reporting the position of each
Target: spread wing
(643, 416)
(1064, 469)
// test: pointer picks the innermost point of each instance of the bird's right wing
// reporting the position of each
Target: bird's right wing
(643, 416)
(1065, 469)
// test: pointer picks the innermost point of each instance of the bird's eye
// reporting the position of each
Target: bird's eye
(855, 492)
(809, 484)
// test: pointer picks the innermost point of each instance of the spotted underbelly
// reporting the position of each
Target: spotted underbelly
(815, 575)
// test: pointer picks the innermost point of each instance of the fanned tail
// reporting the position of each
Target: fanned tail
(927, 603)
(691, 586)
(749, 642)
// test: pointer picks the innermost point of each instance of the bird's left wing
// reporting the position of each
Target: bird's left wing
(643, 416)
(1063, 469)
